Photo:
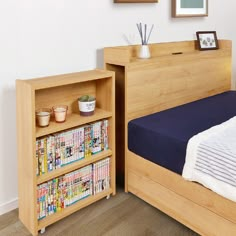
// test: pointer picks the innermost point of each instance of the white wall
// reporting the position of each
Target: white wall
(48, 37)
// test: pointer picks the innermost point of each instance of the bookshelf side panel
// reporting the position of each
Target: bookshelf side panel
(105, 96)
(26, 156)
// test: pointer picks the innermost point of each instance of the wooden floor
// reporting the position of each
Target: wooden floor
(122, 215)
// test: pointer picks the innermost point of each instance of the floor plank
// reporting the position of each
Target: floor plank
(122, 215)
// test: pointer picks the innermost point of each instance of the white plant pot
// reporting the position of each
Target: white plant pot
(87, 108)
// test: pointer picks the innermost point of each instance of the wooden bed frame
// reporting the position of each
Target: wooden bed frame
(151, 85)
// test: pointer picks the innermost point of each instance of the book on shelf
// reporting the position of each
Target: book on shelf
(101, 175)
(80, 139)
(41, 149)
(63, 191)
(96, 137)
(60, 149)
(87, 141)
(104, 135)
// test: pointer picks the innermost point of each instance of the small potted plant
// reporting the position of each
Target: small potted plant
(87, 105)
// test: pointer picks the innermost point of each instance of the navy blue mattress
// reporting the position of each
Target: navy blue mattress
(162, 137)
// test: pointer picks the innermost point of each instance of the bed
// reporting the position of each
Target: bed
(162, 137)
(165, 81)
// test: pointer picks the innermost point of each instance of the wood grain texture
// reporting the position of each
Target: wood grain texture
(151, 177)
(174, 80)
(26, 155)
(67, 79)
(121, 55)
(124, 215)
(185, 211)
(161, 82)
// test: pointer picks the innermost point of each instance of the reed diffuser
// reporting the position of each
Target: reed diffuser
(144, 35)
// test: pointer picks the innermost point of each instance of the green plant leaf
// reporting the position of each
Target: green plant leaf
(86, 98)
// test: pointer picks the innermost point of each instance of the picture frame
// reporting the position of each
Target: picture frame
(207, 40)
(135, 1)
(189, 8)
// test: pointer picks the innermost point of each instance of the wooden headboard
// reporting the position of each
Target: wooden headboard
(145, 86)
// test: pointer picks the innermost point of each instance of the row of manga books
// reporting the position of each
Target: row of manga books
(68, 189)
(57, 150)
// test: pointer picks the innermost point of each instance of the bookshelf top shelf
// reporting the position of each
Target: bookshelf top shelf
(72, 120)
(66, 79)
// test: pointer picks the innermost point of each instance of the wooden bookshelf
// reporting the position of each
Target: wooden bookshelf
(46, 92)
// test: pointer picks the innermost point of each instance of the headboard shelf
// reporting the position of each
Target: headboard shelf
(122, 55)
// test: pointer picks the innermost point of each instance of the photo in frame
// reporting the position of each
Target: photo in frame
(189, 8)
(207, 40)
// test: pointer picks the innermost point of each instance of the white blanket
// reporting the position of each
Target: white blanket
(211, 159)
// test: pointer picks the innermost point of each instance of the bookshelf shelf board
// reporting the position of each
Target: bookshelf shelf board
(73, 166)
(66, 79)
(72, 120)
(71, 209)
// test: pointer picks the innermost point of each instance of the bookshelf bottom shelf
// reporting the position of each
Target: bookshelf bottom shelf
(73, 208)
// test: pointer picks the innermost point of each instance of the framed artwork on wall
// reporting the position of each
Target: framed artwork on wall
(134, 1)
(207, 40)
(189, 8)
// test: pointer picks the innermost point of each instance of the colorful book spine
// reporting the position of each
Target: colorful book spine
(50, 152)
(74, 147)
(41, 156)
(60, 194)
(41, 201)
(45, 155)
(87, 141)
(106, 143)
(104, 135)
(37, 157)
(101, 176)
(108, 174)
(96, 137)
(63, 158)
(81, 143)
(57, 152)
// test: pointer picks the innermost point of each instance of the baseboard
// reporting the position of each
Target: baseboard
(8, 206)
